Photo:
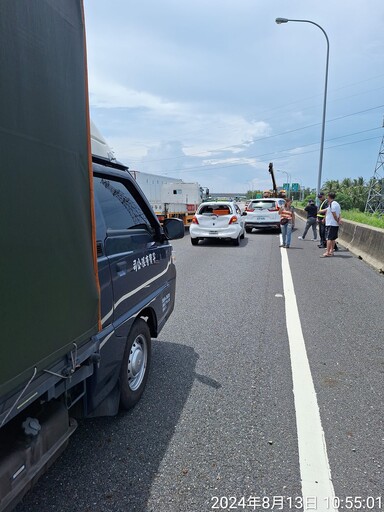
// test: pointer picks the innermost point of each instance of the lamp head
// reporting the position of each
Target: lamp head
(279, 21)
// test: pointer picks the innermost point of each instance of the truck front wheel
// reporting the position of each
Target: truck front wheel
(135, 365)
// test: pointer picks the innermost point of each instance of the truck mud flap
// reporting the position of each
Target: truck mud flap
(24, 457)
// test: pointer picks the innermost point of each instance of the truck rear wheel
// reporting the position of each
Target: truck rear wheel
(135, 366)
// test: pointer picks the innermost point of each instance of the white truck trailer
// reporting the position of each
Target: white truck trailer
(152, 186)
(182, 199)
(170, 197)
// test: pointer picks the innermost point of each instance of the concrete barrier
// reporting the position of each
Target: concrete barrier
(367, 242)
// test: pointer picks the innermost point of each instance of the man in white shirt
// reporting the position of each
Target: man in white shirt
(332, 223)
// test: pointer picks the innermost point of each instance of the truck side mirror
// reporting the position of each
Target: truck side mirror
(173, 229)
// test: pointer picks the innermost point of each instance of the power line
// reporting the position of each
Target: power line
(287, 132)
(205, 168)
(320, 95)
(301, 100)
(329, 101)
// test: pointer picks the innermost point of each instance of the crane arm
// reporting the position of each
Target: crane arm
(271, 172)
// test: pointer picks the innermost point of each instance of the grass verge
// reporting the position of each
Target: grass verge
(363, 218)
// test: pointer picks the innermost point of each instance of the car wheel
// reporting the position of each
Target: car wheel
(242, 236)
(236, 241)
(248, 230)
(194, 241)
(135, 366)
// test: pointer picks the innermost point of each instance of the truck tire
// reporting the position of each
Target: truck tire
(135, 365)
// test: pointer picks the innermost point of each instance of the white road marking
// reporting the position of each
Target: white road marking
(315, 471)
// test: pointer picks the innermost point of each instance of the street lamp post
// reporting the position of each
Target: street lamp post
(289, 180)
(279, 21)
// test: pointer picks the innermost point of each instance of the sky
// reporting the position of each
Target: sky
(211, 91)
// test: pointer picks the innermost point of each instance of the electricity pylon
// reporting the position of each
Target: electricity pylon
(375, 201)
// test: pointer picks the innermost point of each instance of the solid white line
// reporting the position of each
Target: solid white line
(315, 471)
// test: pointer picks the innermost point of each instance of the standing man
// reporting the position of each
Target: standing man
(332, 223)
(311, 210)
(321, 219)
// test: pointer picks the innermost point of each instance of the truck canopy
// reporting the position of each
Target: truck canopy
(49, 288)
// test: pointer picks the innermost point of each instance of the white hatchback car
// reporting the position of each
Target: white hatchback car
(217, 220)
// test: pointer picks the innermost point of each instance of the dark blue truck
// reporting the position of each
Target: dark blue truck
(86, 270)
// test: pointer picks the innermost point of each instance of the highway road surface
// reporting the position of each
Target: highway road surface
(266, 393)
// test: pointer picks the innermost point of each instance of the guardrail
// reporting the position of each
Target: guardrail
(366, 242)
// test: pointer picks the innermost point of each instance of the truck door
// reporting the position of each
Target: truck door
(137, 262)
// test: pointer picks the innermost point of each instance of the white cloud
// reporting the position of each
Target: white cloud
(144, 121)
(228, 161)
(110, 94)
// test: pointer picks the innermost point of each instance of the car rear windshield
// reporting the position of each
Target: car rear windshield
(262, 204)
(219, 209)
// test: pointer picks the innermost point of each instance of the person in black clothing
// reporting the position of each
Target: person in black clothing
(321, 218)
(311, 210)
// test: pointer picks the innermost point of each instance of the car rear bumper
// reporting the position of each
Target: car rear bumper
(232, 231)
(259, 225)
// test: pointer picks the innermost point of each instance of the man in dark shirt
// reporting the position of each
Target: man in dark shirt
(311, 210)
(321, 219)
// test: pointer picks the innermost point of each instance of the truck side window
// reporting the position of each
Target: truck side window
(120, 209)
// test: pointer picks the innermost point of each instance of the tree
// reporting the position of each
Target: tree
(352, 193)
(344, 200)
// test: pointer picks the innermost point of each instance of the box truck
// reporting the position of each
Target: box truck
(170, 197)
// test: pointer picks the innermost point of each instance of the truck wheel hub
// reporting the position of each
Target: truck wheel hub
(137, 363)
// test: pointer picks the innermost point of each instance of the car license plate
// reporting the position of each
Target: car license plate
(258, 219)
(213, 232)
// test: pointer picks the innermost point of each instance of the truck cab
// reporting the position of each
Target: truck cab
(137, 284)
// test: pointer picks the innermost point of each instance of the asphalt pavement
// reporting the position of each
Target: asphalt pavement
(216, 427)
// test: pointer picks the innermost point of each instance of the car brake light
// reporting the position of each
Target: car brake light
(250, 210)
(194, 220)
(233, 220)
(273, 209)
